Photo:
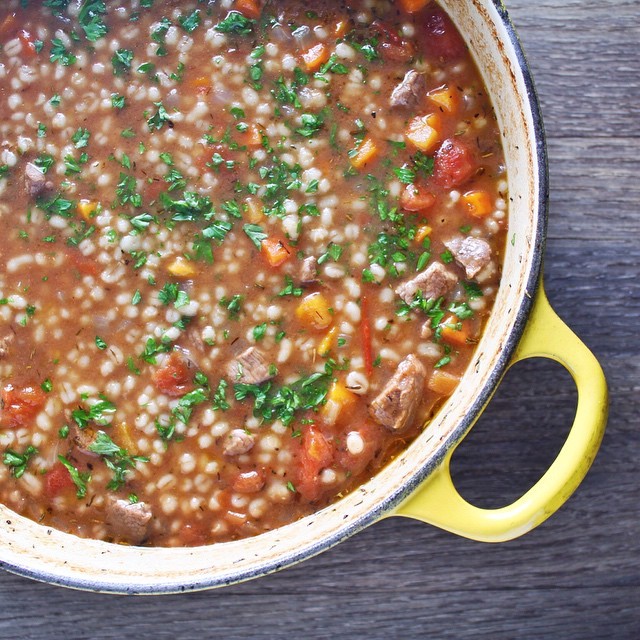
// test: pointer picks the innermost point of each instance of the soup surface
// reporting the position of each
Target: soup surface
(247, 250)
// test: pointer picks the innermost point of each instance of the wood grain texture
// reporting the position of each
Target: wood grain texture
(578, 575)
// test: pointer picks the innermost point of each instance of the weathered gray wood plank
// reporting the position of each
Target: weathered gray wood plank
(578, 575)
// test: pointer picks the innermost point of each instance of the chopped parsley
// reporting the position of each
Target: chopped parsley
(191, 22)
(99, 413)
(118, 460)
(255, 234)
(159, 118)
(79, 479)
(17, 462)
(233, 305)
(81, 138)
(272, 403)
(91, 19)
(121, 61)
(236, 24)
(60, 54)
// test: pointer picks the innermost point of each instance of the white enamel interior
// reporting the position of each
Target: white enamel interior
(37, 551)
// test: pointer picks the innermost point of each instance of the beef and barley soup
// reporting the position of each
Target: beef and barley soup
(247, 249)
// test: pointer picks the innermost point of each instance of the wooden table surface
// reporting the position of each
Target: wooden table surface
(576, 576)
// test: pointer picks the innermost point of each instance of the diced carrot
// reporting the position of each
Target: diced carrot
(86, 208)
(122, 436)
(275, 251)
(413, 6)
(251, 137)
(365, 153)
(249, 481)
(341, 28)
(313, 311)
(365, 333)
(478, 203)
(20, 405)
(442, 382)
(447, 99)
(415, 198)
(422, 233)
(201, 84)
(180, 267)
(454, 330)
(423, 132)
(249, 8)
(339, 398)
(174, 377)
(327, 342)
(255, 210)
(315, 57)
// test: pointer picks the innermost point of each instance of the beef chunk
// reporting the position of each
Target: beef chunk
(309, 270)
(250, 367)
(434, 282)
(472, 254)
(5, 342)
(237, 443)
(397, 403)
(35, 181)
(409, 91)
(194, 336)
(129, 522)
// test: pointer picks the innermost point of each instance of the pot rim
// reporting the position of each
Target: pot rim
(393, 499)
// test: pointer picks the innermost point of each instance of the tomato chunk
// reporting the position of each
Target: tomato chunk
(28, 43)
(174, 377)
(57, 480)
(84, 265)
(443, 39)
(415, 198)
(20, 405)
(194, 534)
(316, 454)
(392, 46)
(359, 448)
(454, 164)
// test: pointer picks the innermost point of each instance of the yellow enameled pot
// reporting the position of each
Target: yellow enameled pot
(417, 483)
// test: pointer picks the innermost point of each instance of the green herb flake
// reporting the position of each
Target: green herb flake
(260, 331)
(117, 459)
(60, 54)
(79, 479)
(255, 234)
(191, 22)
(236, 24)
(121, 61)
(17, 462)
(159, 118)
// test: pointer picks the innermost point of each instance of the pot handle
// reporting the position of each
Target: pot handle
(438, 502)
